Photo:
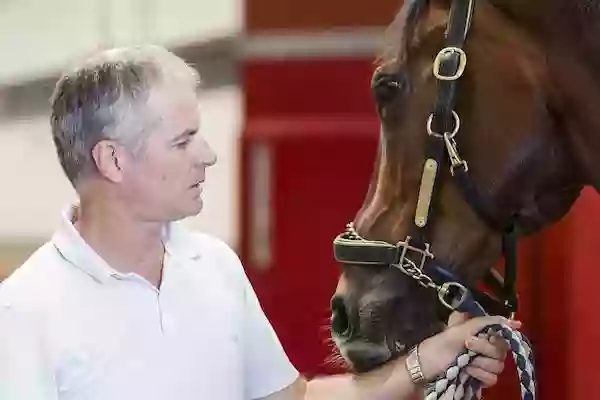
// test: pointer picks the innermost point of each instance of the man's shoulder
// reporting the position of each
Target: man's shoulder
(33, 281)
(207, 240)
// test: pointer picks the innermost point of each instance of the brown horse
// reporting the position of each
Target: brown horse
(522, 109)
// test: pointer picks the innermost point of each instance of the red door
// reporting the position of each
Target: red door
(308, 150)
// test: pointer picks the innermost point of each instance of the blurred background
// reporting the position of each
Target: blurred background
(287, 106)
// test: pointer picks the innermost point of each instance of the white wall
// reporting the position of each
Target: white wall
(38, 37)
(222, 117)
(34, 189)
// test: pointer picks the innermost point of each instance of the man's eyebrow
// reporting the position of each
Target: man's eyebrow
(185, 134)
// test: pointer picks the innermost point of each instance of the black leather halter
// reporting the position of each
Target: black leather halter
(412, 256)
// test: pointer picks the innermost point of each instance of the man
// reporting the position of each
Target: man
(122, 302)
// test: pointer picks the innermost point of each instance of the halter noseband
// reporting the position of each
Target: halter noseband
(412, 255)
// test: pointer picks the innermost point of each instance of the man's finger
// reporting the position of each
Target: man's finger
(484, 347)
(499, 342)
(475, 325)
(486, 378)
(488, 364)
(457, 318)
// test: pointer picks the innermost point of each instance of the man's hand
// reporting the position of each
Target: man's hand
(487, 367)
(438, 352)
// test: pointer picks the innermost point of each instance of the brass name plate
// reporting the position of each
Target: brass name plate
(425, 192)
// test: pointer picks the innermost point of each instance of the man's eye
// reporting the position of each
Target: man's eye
(183, 144)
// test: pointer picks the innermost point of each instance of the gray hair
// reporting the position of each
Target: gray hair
(95, 101)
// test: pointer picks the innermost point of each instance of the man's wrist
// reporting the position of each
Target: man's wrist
(390, 381)
(413, 366)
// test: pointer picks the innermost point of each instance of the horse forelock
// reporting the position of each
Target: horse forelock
(401, 31)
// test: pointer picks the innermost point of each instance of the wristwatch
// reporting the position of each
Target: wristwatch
(413, 365)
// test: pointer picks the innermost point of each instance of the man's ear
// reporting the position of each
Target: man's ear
(109, 158)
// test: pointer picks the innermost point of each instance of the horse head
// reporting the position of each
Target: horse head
(477, 147)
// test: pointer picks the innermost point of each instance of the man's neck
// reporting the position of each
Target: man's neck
(126, 244)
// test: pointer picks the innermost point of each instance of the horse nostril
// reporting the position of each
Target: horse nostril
(340, 320)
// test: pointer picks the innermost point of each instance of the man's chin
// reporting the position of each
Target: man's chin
(187, 212)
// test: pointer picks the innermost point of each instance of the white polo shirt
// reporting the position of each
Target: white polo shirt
(73, 328)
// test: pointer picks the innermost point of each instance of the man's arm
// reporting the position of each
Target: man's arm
(25, 369)
(392, 381)
(385, 383)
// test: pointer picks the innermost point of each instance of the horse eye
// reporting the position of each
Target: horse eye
(387, 86)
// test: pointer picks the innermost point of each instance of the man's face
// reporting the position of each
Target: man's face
(164, 182)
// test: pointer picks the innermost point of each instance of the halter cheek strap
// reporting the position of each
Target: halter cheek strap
(442, 127)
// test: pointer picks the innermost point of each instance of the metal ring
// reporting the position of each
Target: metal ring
(445, 290)
(439, 135)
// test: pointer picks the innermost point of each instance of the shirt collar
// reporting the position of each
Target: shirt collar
(69, 243)
(179, 242)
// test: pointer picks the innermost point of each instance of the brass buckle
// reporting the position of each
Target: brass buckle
(461, 64)
(453, 303)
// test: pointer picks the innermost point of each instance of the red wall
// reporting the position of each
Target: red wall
(569, 317)
(295, 291)
(314, 117)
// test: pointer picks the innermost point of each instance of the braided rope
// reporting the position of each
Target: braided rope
(456, 384)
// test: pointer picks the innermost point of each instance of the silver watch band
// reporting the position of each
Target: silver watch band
(413, 366)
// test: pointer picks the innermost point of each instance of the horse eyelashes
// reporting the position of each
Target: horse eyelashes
(385, 89)
(388, 87)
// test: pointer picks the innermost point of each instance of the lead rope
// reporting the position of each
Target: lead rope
(456, 384)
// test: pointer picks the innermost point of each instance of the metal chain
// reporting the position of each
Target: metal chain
(405, 265)
(410, 268)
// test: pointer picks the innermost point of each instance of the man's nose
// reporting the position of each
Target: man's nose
(207, 156)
